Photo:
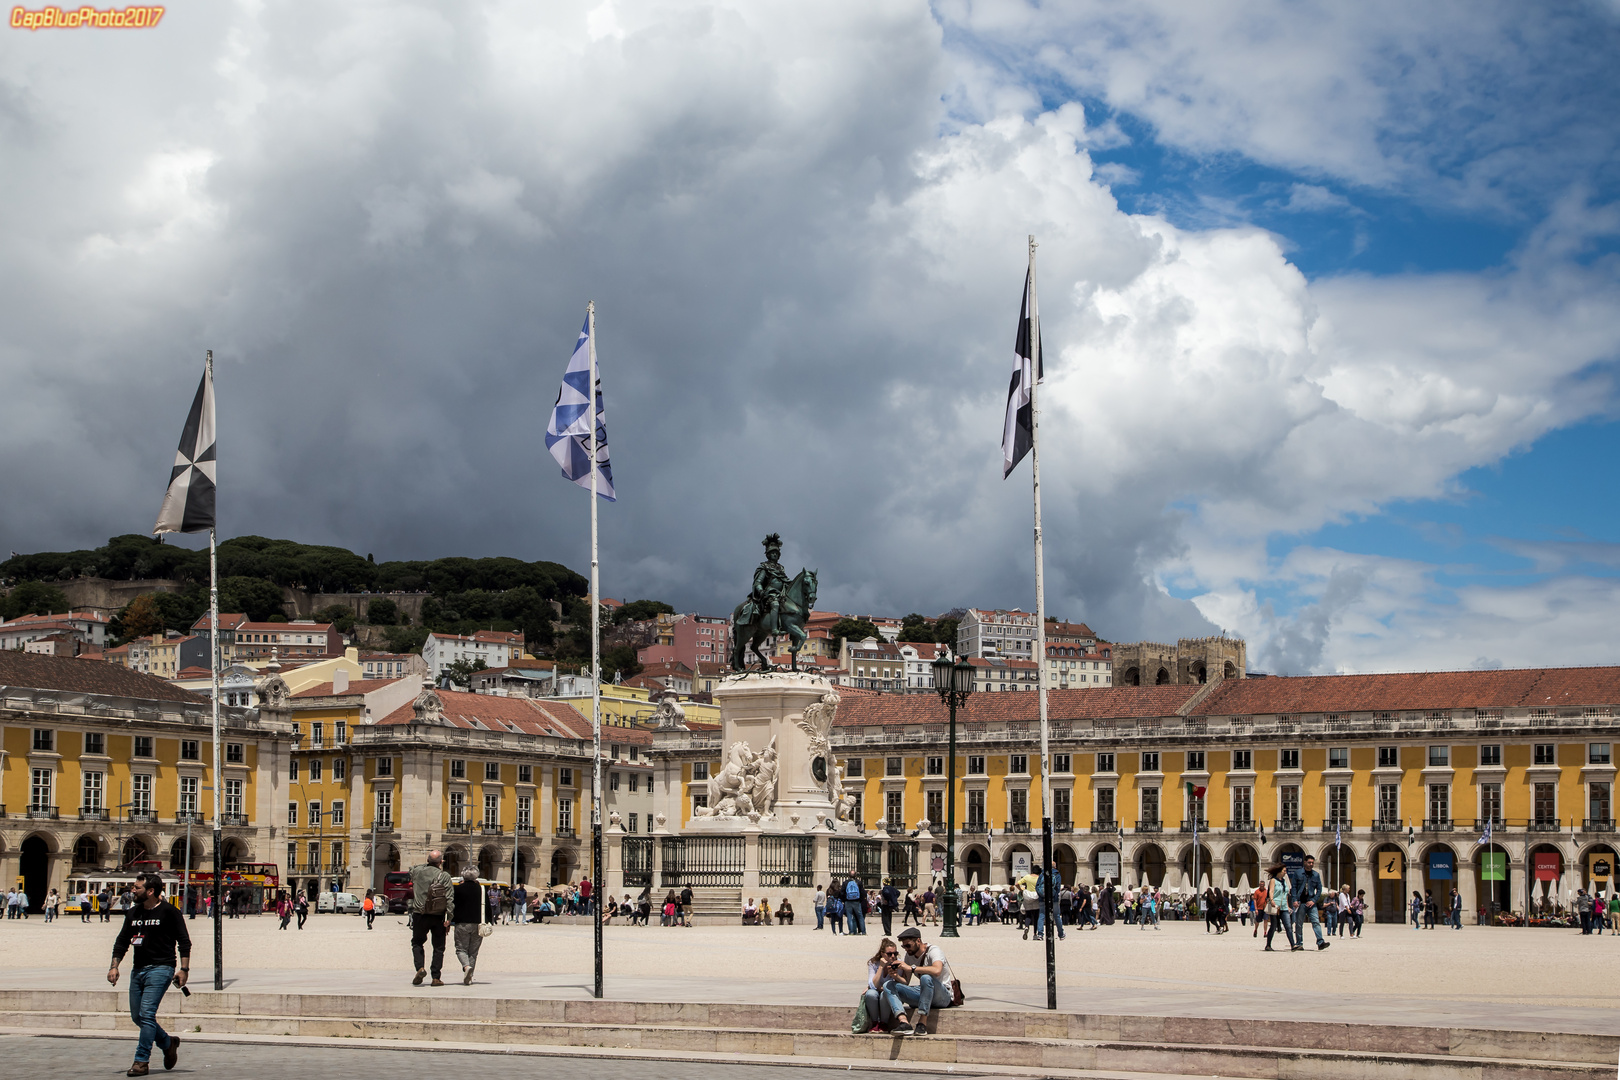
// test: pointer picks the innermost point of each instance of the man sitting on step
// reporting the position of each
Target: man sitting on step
(934, 980)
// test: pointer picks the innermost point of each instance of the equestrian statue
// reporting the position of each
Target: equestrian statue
(775, 605)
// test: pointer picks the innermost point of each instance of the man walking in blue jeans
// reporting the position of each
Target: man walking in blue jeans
(855, 906)
(155, 930)
(1306, 900)
(1050, 880)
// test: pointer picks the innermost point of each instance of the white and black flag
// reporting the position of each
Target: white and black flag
(188, 505)
(1018, 430)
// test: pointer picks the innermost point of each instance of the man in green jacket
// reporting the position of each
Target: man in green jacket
(430, 914)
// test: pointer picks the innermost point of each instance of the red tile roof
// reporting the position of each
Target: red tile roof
(532, 716)
(40, 672)
(1117, 701)
(1414, 691)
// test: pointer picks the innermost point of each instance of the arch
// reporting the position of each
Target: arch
(455, 858)
(178, 851)
(489, 863)
(1547, 893)
(386, 861)
(1097, 875)
(1148, 865)
(1439, 888)
(975, 865)
(1583, 869)
(1192, 880)
(1200, 672)
(233, 851)
(34, 867)
(1242, 862)
(1067, 863)
(137, 848)
(1229, 670)
(1388, 884)
(562, 866)
(525, 862)
(1342, 872)
(1008, 869)
(88, 850)
(1162, 678)
(1493, 897)
(1132, 677)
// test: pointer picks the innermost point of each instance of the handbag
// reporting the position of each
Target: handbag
(486, 929)
(862, 1023)
(956, 990)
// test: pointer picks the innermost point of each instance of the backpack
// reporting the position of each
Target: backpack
(438, 895)
(852, 889)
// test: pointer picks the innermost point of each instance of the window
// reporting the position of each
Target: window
(44, 739)
(458, 769)
(630, 823)
(1490, 802)
(40, 793)
(317, 732)
(853, 767)
(1018, 806)
(1546, 754)
(188, 794)
(525, 774)
(1490, 755)
(1018, 764)
(492, 770)
(525, 812)
(700, 770)
(1150, 805)
(337, 854)
(92, 792)
(1105, 762)
(613, 781)
(292, 813)
(1597, 753)
(894, 766)
(699, 798)
(858, 812)
(1105, 804)
(1546, 804)
(233, 797)
(314, 770)
(1150, 761)
(385, 766)
(1288, 759)
(1598, 802)
(315, 814)
(190, 750)
(565, 777)
(635, 782)
(975, 807)
(140, 793)
(1061, 814)
(893, 810)
(1243, 760)
(1061, 763)
(1440, 802)
(1389, 803)
(292, 858)
(492, 811)
(632, 753)
(1288, 802)
(337, 812)
(458, 808)
(934, 806)
(95, 742)
(1195, 761)
(315, 856)
(1338, 757)
(1242, 805)
(385, 809)
(338, 768)
(234, 754)
(1389, 757)
(565, 815)
(1339, 804)
(975, 765)
(1439, 756)
(143, 746)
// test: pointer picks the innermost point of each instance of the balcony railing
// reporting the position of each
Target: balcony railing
(1241, 827)
(1063, 826)
(42, 813)
(976, 828)
(1188, 824)
(487, 829)
(1597, 825)
(1341, 823)
(1437, 825)
(525, 830)
(567, 833)
(94, 813)
(1288, 825)
(1387, 826)
(1547, 826)
(1150, 826)
(1109, 827)
(234, 821)
(1018, 826)
(459, 827)
(383, 824)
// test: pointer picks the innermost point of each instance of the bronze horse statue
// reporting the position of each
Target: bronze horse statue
(783, 613)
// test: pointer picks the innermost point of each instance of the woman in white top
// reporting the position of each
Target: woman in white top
(883, 1007)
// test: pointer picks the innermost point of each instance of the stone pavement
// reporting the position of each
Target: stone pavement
(1479, 977)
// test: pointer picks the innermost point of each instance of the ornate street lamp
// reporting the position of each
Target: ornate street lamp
(954, 682)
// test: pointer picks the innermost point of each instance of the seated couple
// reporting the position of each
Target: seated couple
(896, 985)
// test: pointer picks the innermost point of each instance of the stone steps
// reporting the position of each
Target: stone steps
(1065, 1042)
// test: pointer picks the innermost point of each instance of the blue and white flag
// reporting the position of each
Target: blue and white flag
(1338, 835)
(1485, 837)
(568, 434)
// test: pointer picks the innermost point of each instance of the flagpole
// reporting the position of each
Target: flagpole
(213, 662)
(596, 677)
(1040, 635)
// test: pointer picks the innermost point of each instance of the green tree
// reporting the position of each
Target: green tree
(460, 672)
(141, 617)
(405, 639)
(339, 615)
(916, 627)
(640, 611)
(382, 612)
(620, 659)
(853, 629)
(945, 632)
(35, 598)
(258, 598)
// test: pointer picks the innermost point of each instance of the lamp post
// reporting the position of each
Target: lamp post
(954, 682)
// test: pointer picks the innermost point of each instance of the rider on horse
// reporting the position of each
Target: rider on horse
(764, 604)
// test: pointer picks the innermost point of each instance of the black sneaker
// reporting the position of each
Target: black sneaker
(902, 1028)
(920, 1029)
(1297, 948)
(1320, 945)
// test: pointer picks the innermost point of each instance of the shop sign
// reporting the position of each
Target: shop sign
(1493, 866)
(1391, 866)
(1441, 865)
(1108, 865)
(1547, 866)
(1600, 867)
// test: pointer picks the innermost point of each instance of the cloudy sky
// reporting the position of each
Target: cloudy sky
(1330, 298)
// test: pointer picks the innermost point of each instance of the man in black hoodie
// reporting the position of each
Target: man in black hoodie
(155, 930)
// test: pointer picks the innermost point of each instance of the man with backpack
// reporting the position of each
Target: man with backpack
(1050, 881)
(430, 914)
(855, 906)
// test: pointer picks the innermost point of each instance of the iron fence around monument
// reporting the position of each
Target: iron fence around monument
(638, 861)
(903, 863)
(702, 862)
(860, 859)
(789, 861)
